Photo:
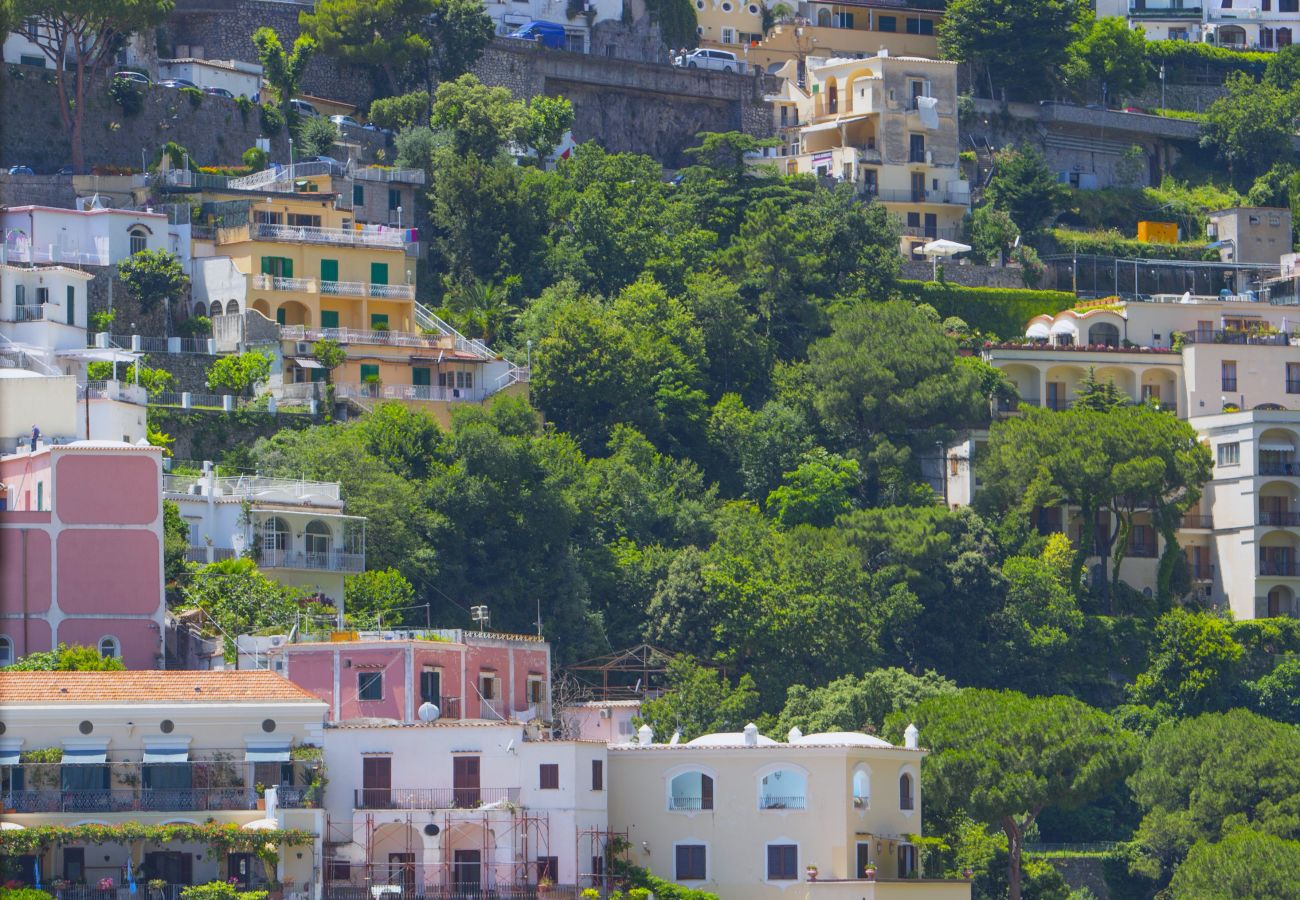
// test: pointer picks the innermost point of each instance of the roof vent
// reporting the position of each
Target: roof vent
(751, 735)
(911, 738)
(794, 734)
(645, 735)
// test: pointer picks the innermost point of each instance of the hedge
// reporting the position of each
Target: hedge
(226, 838)
(1000, 311)
(1109, 242)
(1188, 55)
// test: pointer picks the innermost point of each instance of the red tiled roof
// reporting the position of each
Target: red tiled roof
(34, 688)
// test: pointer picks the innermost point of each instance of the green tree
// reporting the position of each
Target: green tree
(1192, 669)
(176, 542)
(991, 233)
(757, 447)
(725, 152)
(378, 597)
(1109, 57)
(152, 379)
(1037, 625)
(1251, 127)
(548, 119)
(858, 703)
(384, 34)
(74, 658)
(1277, 694)
(283, 69)
(1246, 863)
(457, 33)
(330, 354)
(816, 492)
(401, 112)
(239, 373)
(1005, 758)
(239, 599)
(317, 136)
(1282, 70)
(1200, 778)
(699, 700)
(1023, 41)
(79, 38)
(152, 276)
(1024, 188)
(480, 119)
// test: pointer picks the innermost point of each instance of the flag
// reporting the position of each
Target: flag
(130, 877)
(36, 871)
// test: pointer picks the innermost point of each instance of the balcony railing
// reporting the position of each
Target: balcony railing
(1257, 339)
(329, 561)
(1275, 517)
(278, 283)
(1195, 520)
(359, 336)
(393, 291)
(1279, 468)
(310, 234)
(769, 801)
(113, 390)
(410, 392)
(130, 800)
(689, 804)
(1165, 12)
(1283, 567)
(343, 288)
(1142, 551)
(1203, 573)
(432, 798)
(929, 196)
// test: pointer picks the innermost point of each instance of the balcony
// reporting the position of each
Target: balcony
(277, 283)
(927, 196)
(1254, 339)
(392, 291)
(421, 392)
(347, 237)
(113, 390)
(1196, 520)
(1203, 573)
(343, 288)
(1284, 567)
(1165, 12)
(772, 801)
(689, 804)
(360, 336)
(1279, 518)
(432, 798)
(1278, 467)
(329, 561)
(130, 800)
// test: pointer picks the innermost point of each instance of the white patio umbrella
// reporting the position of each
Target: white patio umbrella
(942, 247)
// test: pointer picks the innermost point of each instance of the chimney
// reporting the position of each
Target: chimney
(645, 735)
(911, 738)
(794, 734)
(751, 735)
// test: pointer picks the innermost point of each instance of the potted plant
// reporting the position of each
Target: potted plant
(968, 873)
(869, 871)
(260, 790)
(157, 887)
(544, 884)
(812, 873)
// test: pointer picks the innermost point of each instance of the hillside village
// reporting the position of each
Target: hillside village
(659, 448)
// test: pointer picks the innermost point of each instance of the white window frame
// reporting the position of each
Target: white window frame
(678, 771)
(1228, 453)
(798, 861)
(117, 647)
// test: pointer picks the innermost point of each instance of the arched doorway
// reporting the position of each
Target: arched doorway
(261, 306)
(1234, 36)
(291, 312)
(232, 307)
(216, 308)
(1281, 602)
(1105, 334)
(397, 857)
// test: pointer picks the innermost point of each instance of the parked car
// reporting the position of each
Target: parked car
(336, 167)
(219, 92)
(719, 60)
(65, 170)
(548, 34)
(345, 121)
(303, 108)
(136, 77)
(370, 126)
(178, 83)
(21, 170)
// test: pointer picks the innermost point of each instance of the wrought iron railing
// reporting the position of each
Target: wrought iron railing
(433, 798)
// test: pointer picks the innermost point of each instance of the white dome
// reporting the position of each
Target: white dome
(843, 739)
(727, 739)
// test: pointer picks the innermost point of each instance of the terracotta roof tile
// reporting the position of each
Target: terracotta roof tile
(34, 688)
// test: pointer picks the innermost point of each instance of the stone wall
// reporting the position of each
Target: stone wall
(35, 190)
(106, 292)
(210, 433)
(1083, 872)
(189, 369)
(967, 275)
(1193, 97)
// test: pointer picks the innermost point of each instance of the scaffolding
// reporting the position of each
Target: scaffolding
(637, 673)
(608, 856)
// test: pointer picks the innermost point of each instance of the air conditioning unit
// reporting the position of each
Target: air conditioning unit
(303, 347)
(604, 713)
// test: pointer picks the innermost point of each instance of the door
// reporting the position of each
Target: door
(864, 858)
(376, 781)
(1275, 603)
(401, 870)
(74, 864)
(465, 781)
(931, 225)
(170, 866)
(430, 679)
(467, 869)
(1056, 395)
(918, 187)
(243, 869)
(379, 273)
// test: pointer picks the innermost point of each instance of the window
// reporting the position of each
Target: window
(728, 35)
(369, 372)
(916, 148)
(139, 240)
(420, 376)
(548, 776)
(690, 791)
(783, 789)
(862, 789)
(1229, 373)
(430, 685)
(70, 304)
(370, 685)
(886, 23)
(275, 534)
(329, 270)
(1293, 378)
(301, 220)
(1229, 454)
(920, 26)
(394, 199)
(108, 647)
(42, 296)
(487, 685)
(277, 266)
(329, 318)
(691, 864)
(906, 800)
(844, 20)
(379, 321)
(464, 379)
(597, 774)
(1141, 541)
(319, 539)
(548, 867)
(782, 862)
(20, 294)
(379, 273)
(536, 689)
(358, 195)
(6, 651)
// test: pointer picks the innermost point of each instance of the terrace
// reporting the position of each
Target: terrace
(332, 288)
(367, 236)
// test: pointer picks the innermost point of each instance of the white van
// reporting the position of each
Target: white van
(719, 60)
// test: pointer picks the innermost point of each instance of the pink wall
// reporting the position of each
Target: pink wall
(37, 631)
(11, 566)
(122, 489)
(388, 660)
(138, 640)
(102, 571)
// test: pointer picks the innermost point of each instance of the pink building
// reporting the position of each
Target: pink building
(81, 551)
(390, 675)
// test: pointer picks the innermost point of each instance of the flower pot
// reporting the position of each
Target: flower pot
(261, 803)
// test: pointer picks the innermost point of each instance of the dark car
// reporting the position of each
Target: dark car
(65, 170)
(21, 170)
(178, 83)
(219, 92)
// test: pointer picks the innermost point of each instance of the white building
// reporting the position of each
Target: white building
(296, 530)
(1235, 24)
(243, 79)
(741, 815)
(469, 804)
(88, 237)
(508, 17)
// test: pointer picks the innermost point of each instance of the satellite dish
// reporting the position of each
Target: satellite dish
(428, 712)
(431, 829)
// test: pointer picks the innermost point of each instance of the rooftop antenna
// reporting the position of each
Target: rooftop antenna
(481, 617)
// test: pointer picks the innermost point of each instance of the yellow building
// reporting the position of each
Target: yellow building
(887, 124)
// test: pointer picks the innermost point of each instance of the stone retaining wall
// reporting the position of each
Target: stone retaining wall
(968, 275)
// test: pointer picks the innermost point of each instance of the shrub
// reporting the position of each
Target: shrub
(256, 158)
(220, 890)
(317, 136)
(127, 95)
(270, 120)
(102, 320)
(194, 95)
(990, 310)
(245, 106)
(24, 894)
(196, 326)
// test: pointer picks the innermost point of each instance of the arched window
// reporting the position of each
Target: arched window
(139, 239)
(783, 789)
(215, 310)
(691, 791)
(906, 795)
(6, 651)
(232, 307)
(1104, 333)
(823, 18)
(319, 540)
(200, 309)
(862, 789)
(108, 647)
(275, 534)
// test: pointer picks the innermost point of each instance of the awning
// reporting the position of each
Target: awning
(1038, 330)
(11, 826)
(99, 354)
(167, 754)
(827, 126)
(267, 754)
(9, 757)
(85, 756)
(1277, 446)
(260, 825)
(306, 363)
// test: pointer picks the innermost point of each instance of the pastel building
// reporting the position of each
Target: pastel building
(159, 748)
(296, 530)
(742, 815)
(1228, 365)
(849, 28)
(89, 237)
(886, 124)
(81, 537)
(391, 674)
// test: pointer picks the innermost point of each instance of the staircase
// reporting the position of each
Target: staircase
(984, 166)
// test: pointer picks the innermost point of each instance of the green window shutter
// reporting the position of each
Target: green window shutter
(420, 376)
(279, 315)
(329, 270)
(379, 273)
(268, 263)
(378, 319)
(319, 374)
(286, 267)
(369, 371)
(329, 318)
(358, 195)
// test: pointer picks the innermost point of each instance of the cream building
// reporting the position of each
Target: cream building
(886, 124)
(1228, 365)
(742, 815)
(157, 748)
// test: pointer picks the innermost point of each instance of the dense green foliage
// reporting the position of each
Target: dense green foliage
(1015, 41)
(75, 658)
(152, 276)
